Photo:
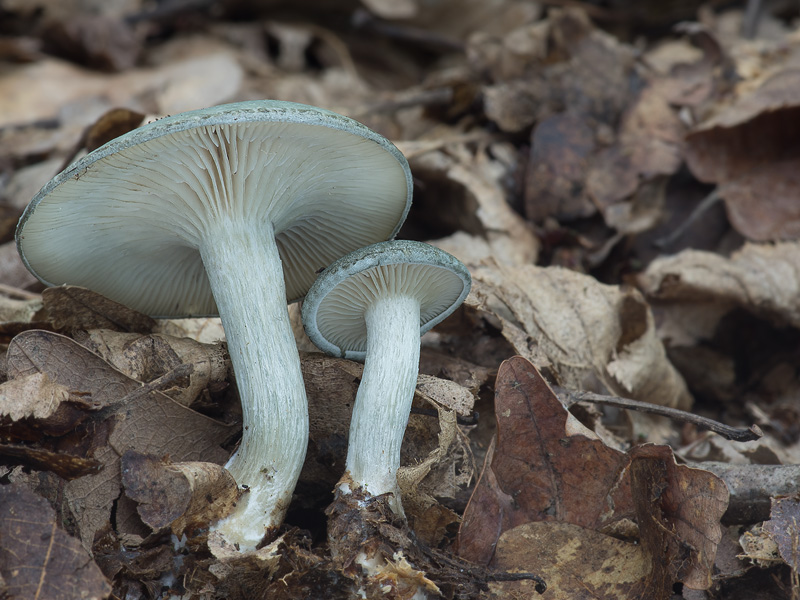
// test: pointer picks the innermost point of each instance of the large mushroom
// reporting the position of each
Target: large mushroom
(373, 305)
(229, 210)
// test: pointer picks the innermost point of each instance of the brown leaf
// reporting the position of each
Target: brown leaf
(678, 510)
(66, 466)
(576, 563)
(783, 528)
(72, 308)
(590, 336)
(39, 560)
(33, 396)
(762, 201)
(561, 150)
(537, 473)
(760, 278)
(466, 195)
(177, 495)
(132, 418)
(148, 357)
(749, 149)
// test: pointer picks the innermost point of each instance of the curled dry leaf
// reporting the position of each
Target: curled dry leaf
(748, 149)
(762, 279)
(590, 336)
(34, 396)
(538, 471)
(39, 560)
(476, 209)
(72, 308)
(182, 496)
(784, 527)
(147, 357)
(19, 311)
(130, 416)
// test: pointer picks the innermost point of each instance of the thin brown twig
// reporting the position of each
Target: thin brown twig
(570, 397)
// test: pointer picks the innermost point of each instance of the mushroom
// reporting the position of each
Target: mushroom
(373, 305)
(229, 210)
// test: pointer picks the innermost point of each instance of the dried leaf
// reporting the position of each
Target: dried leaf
(148, 357)
(784, 527)
(678, 510)
(576, 563)
(72, 308)
(590, 336)
(476, 206)
(763, 279)
(182, 496)
(749, 150)
(34, 396)
(133, 418)
(562, 146)
(39, 560)
(21, 311)
(536, 473)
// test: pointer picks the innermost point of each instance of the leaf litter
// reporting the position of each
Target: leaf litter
(578, 161)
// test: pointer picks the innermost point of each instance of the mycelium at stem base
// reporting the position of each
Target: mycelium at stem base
(251, 298)
(383, 401)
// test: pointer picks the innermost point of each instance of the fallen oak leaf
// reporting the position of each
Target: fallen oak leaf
(678, 510)
(537, 473)
(784, 528)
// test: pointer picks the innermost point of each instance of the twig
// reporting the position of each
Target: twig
(569, 397)
(15, 292)
(752, 487)
(698, 212)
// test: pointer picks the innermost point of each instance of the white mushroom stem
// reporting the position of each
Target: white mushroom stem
(383, 401)
(246, 277)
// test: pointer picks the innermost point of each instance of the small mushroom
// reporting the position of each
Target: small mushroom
(229, 210)
(373, 305)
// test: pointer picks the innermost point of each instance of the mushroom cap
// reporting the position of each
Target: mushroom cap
(333, 310)
(127, 219)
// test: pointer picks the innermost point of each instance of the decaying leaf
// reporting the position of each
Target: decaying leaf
(34, 396)
(476, 208)
(535, 473)
(181, 496)
(761, 278)
(590, 336)
(37, 558)
(132, 418)
(71, 308)
(749, 150)
(146, 357)
(784, 527)
(538, 471)
(577, 563)
(678, 510)
(18, 310)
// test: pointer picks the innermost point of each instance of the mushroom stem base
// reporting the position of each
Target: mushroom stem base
(383, 400)
(246, 277)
